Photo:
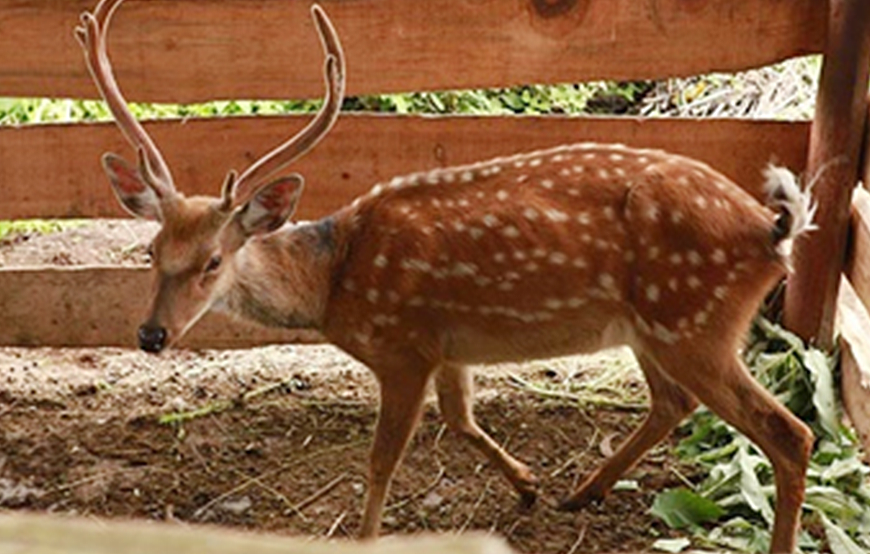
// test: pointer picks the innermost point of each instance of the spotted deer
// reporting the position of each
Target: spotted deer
(567, 250)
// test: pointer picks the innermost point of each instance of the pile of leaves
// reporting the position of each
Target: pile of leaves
(733, 507)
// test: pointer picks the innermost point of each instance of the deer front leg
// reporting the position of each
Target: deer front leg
(670, 404)
(402, 393)
(455, 388)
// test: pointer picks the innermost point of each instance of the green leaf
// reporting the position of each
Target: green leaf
(681, 508)
(750, 486)
(824, 397)
(672, 545)
(838, 540)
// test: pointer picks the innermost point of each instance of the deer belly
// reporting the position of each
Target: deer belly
(592, 331)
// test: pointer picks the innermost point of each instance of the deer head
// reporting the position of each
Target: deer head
(199, 236)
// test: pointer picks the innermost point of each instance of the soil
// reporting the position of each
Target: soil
(276, 439)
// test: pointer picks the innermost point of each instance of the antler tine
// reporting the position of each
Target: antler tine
(92, 37)
(334, 73)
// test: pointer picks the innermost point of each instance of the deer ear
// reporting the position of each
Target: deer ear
(271, 207)
(131, 189)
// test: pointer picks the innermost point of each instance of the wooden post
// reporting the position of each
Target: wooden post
(835, 140)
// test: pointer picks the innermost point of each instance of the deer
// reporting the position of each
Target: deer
(571, 249)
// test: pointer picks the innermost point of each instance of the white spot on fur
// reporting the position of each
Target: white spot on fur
(530, 213)
(583, 218)
(720, 292)
(511, 232)
(718, 257)
(466, 176)
(653, 293)
(475, 232)
(372, 295)
(547, 183)
(701, 202)
(553, 304)
(558, 258)
(490, 221)
(380, 261)
(556, 216)
(502, 195)
(693, 282)
(694, 258)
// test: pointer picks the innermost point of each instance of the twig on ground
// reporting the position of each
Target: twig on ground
(318, 494)
(335, 524)
(420, 493)
(573, 459)
(580, 536)
(599, 400)
(477, 504)
(252, 480)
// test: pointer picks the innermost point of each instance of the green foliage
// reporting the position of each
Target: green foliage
(27, 226)
(740, 480)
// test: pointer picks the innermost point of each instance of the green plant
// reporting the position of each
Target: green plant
(731, 507)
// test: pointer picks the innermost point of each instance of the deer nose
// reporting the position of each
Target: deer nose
(152, 339)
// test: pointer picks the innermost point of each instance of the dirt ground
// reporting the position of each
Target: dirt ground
(276, 439)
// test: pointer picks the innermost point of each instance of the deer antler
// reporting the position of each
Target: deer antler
(92, 37)
(257, 175)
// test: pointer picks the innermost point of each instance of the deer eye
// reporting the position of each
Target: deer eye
(213, 263)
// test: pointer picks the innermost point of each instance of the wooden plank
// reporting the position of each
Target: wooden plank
(40, 534)
(211, 49)
(853, 321)
(835, 148)
(858, 256)
(54, 170)
(103, 306)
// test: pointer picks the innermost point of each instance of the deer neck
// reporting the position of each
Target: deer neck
(283, 279)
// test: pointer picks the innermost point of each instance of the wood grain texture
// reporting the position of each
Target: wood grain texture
(833, 161)
(41, 534)
(200, 50)
(858, 253)
(104, 306)
(54, 170)
(853, 321)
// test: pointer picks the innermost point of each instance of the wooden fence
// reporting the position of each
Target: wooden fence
(175, 51)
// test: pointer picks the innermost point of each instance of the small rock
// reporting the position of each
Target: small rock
(236, 506)
(432, 500)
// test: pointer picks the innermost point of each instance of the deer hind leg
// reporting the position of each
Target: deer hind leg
(670, 404)
(724, 384)
(455, 388)
(403, 390)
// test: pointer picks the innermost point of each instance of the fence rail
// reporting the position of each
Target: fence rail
(216, 49)
(54, 170)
